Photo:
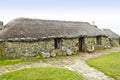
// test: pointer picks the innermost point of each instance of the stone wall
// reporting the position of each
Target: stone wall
(45, 48)
(114, 42)
(69, 46)
(105, 44)
(18, 49)
(1, 48)
(91, 45)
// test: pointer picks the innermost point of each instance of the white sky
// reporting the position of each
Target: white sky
(105, 13)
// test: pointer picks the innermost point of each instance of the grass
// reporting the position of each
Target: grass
(42, 74)
(109, 64)
(5, 61)
(9, 61)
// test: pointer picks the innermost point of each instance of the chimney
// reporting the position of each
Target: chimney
(1, 25)
(93, 23)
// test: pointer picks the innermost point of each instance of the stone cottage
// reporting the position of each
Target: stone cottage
(32, 37)
(114, 38)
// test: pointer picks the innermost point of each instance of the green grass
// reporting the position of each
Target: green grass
(5, 61)
(9, 61)
(109, 64)
(42, 74)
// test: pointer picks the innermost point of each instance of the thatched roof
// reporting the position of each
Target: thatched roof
(39, 29)
(111, 34)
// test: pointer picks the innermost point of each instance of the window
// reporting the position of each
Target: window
(98, 40)
(57, 43)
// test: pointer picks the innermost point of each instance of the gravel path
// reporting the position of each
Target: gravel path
(74, 63)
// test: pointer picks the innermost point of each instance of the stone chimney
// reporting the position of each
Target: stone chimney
(93, 23)
(1, 25)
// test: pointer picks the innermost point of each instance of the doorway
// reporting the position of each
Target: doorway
(81, 44)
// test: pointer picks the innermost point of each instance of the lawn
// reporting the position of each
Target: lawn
(5, 61)
(109, 64)
(9, 61)
(42, 74)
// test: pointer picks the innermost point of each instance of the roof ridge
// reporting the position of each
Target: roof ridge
(25, 18)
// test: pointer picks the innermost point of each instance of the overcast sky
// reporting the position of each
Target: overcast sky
(105, 13)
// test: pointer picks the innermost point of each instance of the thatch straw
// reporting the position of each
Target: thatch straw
(111, 34)
(36, 28)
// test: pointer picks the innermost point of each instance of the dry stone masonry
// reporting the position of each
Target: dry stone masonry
(43, 47)
(46, 48)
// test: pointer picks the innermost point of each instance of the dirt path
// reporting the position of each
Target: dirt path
(75, 63)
